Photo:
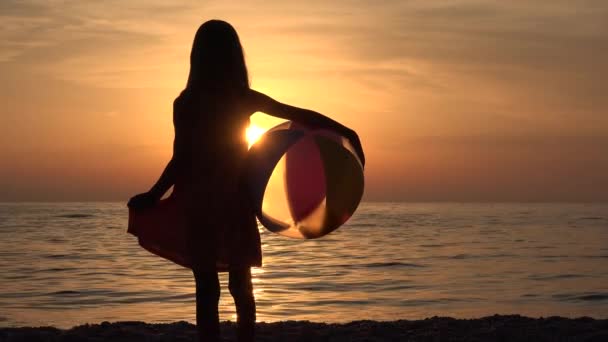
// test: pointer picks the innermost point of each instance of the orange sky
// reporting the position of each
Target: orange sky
(453, 100)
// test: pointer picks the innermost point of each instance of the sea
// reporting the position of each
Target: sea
(67, 264)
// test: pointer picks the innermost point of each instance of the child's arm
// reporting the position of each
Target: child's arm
(148, 199)
(165, 181)
(167, 178)
(266, 104)
(180, 150)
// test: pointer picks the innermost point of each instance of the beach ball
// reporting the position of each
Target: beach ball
(304, 183)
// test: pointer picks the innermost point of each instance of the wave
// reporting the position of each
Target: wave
(586, 297)
(594, 297)
(555, 276)
(392, 264)
(75, 215)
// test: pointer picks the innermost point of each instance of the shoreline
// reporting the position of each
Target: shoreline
(490, 328)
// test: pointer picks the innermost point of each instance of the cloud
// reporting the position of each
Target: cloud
(540, 65)
(89, 42)
(454, 72)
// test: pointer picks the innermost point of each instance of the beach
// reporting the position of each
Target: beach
(491, 328)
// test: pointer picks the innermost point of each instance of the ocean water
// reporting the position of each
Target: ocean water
(65, 264)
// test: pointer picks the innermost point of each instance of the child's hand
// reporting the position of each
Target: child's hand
(142, 201)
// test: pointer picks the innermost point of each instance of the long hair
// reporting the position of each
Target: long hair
(217, 60)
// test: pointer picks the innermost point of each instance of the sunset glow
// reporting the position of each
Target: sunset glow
(453, 101)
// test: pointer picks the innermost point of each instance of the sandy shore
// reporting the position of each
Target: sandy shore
(493, 328)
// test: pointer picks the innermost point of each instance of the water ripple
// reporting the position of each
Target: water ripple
(392, 260)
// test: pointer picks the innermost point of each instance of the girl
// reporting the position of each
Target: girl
(210, 117)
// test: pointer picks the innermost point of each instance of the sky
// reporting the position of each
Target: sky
(453, 100)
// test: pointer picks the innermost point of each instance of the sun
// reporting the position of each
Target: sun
(253, 133)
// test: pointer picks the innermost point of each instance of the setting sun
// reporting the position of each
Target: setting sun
(253, 133)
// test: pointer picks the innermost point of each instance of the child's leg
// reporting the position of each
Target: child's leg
(207, 298)
(241, 290)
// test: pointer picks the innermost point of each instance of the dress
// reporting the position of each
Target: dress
(208, 221)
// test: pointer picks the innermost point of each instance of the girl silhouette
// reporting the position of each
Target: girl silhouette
(208, 199)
